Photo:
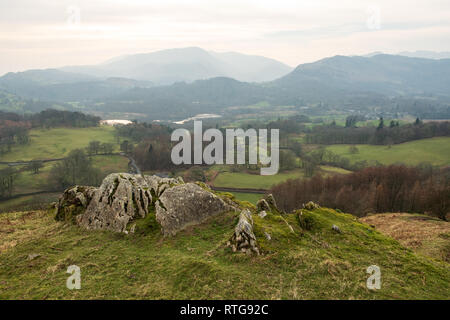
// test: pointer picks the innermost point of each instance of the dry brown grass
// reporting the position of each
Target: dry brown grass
(425, 235)
(19, 227)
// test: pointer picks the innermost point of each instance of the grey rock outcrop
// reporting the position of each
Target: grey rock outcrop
(243, 238)
(187, 204)
(73, 202)
(123, 198)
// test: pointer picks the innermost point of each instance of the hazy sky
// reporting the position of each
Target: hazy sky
(44, 33)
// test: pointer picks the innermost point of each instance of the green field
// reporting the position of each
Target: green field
(435, 151)
(27, 182)
(250, 197)
(253, 181)
(110, 163)
(58, 142)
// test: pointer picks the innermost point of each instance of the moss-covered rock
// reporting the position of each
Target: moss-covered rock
(73, 202)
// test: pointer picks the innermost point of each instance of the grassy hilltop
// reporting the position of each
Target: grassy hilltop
(310, 262)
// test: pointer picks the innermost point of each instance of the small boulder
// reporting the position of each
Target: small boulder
(262, 214)
(187, 204)
(33, 256)
(336, 228)
(271, 201)
(262, 205)
(243, 238)
(311, 206)
(267, 203)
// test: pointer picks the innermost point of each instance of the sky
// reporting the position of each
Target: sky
(46, 34)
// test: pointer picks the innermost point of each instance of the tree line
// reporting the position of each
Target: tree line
(383, 134)
(395, 188)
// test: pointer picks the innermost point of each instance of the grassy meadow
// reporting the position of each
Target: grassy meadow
(254, 181)
(250, 197)
(435, 151)
(58, 142)
(28, 181)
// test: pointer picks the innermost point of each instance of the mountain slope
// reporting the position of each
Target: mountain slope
(187, 64)
(53, 84)
(384, 74)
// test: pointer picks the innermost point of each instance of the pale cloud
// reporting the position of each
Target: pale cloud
(36, 33)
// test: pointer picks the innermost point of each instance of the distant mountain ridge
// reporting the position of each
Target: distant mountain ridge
(417, 54)
(426, 54)
(186, 64)
(342, 82)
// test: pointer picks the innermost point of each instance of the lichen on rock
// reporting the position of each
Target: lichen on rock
(187, 204)
(121, 197)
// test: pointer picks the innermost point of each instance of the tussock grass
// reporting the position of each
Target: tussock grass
(426, 235)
